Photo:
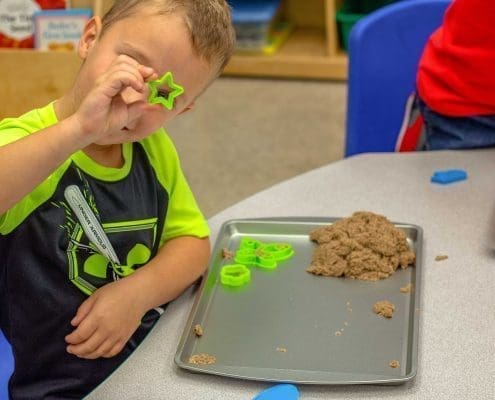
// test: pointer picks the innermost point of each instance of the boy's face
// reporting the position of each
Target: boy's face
(157, 41)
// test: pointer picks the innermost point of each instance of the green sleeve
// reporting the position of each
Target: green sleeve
(184, 217)
(9, 134)
(12, 129)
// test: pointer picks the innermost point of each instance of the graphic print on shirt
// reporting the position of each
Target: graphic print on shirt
(92, 260)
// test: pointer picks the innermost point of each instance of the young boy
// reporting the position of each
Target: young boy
(455, 82)
(98, 226)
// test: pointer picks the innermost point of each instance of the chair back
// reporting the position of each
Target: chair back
(6, 366)
(384, 51)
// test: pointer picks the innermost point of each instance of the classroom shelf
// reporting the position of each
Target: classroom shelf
(312, 51)
(303, 56)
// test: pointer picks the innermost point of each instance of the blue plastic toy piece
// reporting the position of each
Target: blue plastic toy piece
(449, 176)
(279, 392)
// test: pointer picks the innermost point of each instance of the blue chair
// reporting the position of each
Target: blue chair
(6, 366)
(384, 51)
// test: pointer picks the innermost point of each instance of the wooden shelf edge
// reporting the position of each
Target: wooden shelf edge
(330, 67)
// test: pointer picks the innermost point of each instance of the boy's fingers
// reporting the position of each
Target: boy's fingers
(131, 70)
(122, 79)
(115, 81)
(140, 72)
(148, 73)
(101, 351)
(116, 349)
(84, 331)
(82, 311)
(124, 59)
(88, 349)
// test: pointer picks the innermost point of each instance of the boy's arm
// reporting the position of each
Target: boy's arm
(108, 318)
(25, 163)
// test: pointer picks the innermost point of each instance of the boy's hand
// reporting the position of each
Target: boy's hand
(105, 321)
(104, 115)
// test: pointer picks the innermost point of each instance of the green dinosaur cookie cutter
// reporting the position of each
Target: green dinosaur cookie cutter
(235, 275)
(175, 91)
(264, 255)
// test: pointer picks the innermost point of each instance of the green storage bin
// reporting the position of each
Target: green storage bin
(351, 12)
(366, 6)
(345, 21)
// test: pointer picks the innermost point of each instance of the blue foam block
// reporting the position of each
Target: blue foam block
(279, 392)
(449, 176)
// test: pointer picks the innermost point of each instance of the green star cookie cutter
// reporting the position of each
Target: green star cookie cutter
(156, 98)
(263, 255)
(235, 275)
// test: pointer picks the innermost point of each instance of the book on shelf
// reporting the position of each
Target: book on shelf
(57, 30)
(16, 20)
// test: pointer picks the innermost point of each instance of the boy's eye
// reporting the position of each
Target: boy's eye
(163, 93)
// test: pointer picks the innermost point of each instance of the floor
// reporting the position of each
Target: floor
(245, 135)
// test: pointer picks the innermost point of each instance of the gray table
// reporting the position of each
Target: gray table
(457, 328)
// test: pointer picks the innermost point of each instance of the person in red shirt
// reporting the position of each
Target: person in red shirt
(456, 78)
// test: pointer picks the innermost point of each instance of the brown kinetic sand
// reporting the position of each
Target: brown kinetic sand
(202, 359)
(384, 308)
(227, 254)
(198, 330)
(441, 257)
(394, 364)
(364, 246)
(407, 289)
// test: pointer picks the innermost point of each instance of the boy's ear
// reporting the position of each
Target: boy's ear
(90, 35)
(188, 108)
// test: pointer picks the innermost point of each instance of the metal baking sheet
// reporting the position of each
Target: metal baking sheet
(283, 325)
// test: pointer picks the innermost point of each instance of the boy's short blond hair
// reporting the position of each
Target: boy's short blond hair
(209, 23)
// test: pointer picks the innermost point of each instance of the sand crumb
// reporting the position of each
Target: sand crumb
(202, 359)
(407, 289)
(394, 364)
(198, 330)
(441, 257)
(365, 246)
(384, 308)
(227, 254)
(281, 349)
(338, 333)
